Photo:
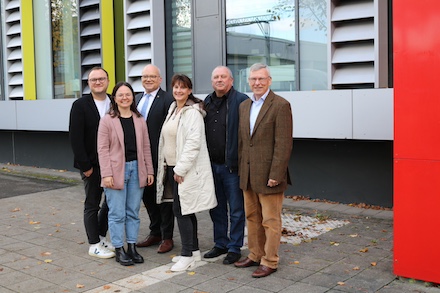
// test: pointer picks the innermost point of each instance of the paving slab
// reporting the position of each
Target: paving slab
(43, 248)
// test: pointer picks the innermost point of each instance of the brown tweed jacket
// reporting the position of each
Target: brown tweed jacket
(265, 155)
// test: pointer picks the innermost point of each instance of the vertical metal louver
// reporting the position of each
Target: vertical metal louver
(14, 56)
(138, 40)
(358, 49)
(90, 38)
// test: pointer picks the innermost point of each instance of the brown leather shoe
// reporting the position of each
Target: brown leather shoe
(247, 262)
(150, 240)
(165, 246)
(263, 271)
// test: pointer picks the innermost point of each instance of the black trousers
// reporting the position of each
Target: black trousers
(95, 216)
(161, 215)
(187, 226)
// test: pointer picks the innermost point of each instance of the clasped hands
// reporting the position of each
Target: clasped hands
(272, 183)
(109, 183)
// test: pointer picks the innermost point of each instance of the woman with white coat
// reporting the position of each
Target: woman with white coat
(186, 176)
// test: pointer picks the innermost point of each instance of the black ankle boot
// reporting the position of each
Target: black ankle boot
(135, 256)
(122, 257)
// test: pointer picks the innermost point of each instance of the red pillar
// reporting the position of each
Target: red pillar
(416, 29)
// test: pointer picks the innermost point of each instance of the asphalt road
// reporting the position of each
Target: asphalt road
(13, 185)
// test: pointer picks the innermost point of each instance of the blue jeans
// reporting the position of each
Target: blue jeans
(228, 192)
(124, 207)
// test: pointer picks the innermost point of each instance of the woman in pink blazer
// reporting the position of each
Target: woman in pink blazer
(126, 168)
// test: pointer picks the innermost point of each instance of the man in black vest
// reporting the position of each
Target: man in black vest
(222, 136)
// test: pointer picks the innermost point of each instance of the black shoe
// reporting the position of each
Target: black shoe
(122, 257)
(215, 252)
(231, 258)
(135, 256)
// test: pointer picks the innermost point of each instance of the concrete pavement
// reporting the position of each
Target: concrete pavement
(326, 248)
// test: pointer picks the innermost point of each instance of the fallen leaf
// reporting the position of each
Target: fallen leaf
(363, 250)
(46, 253)
(356, 269)
(341, 283)
(353, 235)
(296, 262)
(16, 210)
(47, 260)
(33, 222)
(373, 264)
(106, 287)
(334, 243)
(191, 273)
(79, 286)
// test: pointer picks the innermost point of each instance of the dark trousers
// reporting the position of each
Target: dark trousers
(187, 227)
(95, 217)
(161, 215)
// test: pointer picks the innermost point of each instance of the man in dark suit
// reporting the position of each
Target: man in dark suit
(265, 145)
(153, 104)
(83, 127)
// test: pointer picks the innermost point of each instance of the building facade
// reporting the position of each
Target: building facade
(331, 59)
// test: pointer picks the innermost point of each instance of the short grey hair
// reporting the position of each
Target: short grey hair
(222, 66)
(258, 66)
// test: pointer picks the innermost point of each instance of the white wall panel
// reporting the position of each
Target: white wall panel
(8, 117)
(336, 114)
(34, 115)
(373, 115)
(321, 114)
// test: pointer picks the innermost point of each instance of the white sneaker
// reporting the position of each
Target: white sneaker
(196, 254)
(184, 263)
(106, 244)
(100, 251)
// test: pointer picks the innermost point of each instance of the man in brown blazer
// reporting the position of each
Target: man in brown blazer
(264, 148)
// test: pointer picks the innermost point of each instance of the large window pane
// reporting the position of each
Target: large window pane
(313, 44)
(261, 31)
(65, 48)
(179, 37)
(42, 49)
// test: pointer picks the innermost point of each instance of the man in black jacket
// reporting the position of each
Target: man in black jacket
(222, 136)
(153, 104)
(83, 127)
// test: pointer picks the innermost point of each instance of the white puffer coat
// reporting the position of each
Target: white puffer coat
(196, 192)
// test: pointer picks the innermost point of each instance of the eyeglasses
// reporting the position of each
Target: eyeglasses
(149, 76)
(95, 80)
(260, 79)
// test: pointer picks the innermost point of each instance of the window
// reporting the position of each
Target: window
(313, 44)
(179, 37)
(269, 32)
(65, 49)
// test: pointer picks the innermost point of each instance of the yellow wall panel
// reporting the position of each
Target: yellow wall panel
(27, 39)
(108, 40)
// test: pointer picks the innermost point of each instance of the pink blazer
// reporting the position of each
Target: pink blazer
(111, 150)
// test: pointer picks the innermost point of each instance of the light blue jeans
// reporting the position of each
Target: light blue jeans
(124, 207)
